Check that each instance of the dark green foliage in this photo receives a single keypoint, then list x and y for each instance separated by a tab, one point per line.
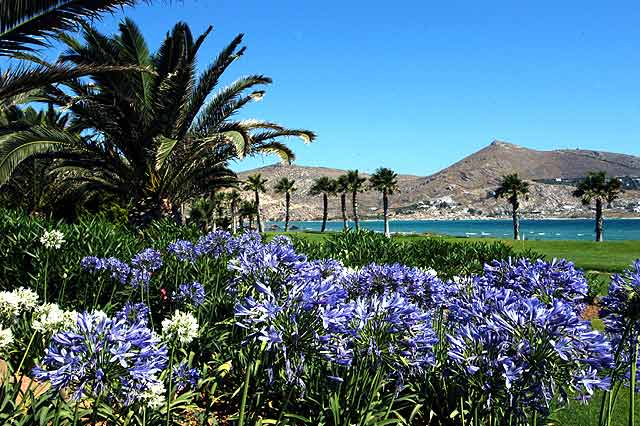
449	259
22	254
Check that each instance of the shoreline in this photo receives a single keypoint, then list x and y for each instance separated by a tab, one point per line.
488	219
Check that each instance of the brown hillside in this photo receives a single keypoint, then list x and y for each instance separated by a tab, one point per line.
464	189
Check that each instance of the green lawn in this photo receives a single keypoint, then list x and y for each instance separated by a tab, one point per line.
577	414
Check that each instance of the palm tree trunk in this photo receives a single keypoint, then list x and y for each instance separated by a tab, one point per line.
354	201
516	221
258	219
385	208
234	223
214	218
343	206
325	211
599	221
144	211
287	200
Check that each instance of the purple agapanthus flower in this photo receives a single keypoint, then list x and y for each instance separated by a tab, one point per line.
134	313
185	377
621	315
521	353
184	250
104	358
190	293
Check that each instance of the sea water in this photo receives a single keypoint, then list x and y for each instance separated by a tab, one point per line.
546	229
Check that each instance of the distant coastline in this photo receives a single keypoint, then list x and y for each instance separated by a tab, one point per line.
555	228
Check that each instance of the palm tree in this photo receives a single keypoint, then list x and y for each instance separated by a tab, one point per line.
257	184
342	186
234	199
202	213
513	188
286	186
27	188
355	184
154	139
596	186
248	210
385	181
218	200
325	186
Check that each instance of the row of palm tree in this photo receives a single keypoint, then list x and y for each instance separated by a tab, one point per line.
384	180
352	183
596	186
142	127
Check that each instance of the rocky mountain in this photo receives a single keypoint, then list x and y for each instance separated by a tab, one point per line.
465	189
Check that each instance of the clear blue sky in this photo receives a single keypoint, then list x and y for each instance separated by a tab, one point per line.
416	85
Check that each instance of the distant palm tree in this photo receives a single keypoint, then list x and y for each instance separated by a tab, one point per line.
597	187
256	183
218	200
513	189
325	186
201	213
286	186
234	199
385	181
342	186
355	184
248	210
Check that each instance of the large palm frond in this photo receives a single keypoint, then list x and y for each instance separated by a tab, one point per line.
28	23
16	147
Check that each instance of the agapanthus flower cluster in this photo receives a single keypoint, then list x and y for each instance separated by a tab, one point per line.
620	311
191	294
184	250
301	310
185	377
182	326
558	279
264	264
105	358
414	284
6	338
134	313
119	270
14	303
52	239
516	353
138	273
384	329
49	318
214	244
143	265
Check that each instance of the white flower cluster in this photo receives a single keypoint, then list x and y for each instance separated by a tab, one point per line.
52	239
153	397
13	303
182	326
6	338
49	318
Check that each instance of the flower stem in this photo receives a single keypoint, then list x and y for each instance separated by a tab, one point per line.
46	267
632	383
173	349
245	391
26	352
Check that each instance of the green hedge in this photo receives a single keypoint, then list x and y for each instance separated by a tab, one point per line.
449	259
